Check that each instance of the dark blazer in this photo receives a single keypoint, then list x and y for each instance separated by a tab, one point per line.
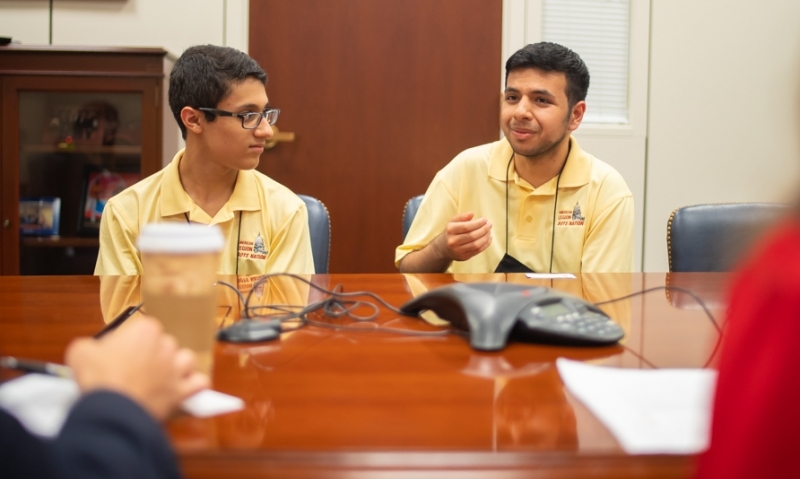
106	435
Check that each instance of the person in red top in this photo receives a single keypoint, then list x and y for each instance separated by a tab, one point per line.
756	420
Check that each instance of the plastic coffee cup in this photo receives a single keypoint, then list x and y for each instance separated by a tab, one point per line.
180	263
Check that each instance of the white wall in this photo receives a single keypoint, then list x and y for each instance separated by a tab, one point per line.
723	101
171	24
26	21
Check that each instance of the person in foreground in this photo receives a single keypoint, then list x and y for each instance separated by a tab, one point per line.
756	418
129	379
533	201
218	97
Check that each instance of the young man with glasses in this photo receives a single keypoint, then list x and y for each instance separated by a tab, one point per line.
219	99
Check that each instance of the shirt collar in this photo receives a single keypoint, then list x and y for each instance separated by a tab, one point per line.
498	162
578	170
245	196
175	201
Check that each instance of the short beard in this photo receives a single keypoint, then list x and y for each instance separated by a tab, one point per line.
542	151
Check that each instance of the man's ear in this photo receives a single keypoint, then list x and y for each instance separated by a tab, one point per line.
576	115
193	119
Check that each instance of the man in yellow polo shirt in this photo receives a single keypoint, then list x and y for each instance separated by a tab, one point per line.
533	201
218	97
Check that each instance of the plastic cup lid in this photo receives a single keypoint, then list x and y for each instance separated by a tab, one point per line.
180	238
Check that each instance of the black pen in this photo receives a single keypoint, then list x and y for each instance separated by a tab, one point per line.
118	320
33	366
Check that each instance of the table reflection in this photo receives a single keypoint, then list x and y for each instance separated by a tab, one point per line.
711	289
372	388
119	292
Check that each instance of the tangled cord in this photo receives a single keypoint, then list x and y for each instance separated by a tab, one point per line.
337	305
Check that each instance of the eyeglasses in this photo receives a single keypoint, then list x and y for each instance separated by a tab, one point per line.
251	120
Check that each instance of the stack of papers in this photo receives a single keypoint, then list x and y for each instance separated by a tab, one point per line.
665	411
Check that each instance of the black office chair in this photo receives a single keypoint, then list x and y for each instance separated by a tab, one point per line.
409	212
713	237
319	225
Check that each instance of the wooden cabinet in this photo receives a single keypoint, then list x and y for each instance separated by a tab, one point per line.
77	125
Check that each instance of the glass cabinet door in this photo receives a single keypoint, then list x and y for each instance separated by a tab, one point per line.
77	125
76	150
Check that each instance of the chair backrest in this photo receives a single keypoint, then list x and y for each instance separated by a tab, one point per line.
319	226
713	237
409	212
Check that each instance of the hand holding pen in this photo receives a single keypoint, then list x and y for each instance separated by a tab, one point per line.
121	318
139	361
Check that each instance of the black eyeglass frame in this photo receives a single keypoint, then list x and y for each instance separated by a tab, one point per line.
244	116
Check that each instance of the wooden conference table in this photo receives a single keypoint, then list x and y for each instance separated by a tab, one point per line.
322	402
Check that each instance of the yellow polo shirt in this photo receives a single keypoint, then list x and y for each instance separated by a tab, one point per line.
594	224
265	225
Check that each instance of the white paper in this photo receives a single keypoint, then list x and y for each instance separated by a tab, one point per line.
550	275
665	411
211	403
41	403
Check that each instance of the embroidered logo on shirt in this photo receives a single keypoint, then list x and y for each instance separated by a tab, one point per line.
258	245
571	218
253	249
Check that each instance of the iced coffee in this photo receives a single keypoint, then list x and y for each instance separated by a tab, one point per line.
180	262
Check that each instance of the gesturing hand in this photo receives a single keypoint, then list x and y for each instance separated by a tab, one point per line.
465	237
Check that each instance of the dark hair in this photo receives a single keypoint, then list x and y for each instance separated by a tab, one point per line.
203	76
549	57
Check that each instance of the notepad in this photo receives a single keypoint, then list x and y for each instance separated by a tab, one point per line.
41	403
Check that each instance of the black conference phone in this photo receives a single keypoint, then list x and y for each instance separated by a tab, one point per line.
491	312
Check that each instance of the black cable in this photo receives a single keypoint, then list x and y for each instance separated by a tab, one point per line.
338	304
682	290
238	238
555	215
640	357
234	288
508	167
665	288
336	292
555	207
